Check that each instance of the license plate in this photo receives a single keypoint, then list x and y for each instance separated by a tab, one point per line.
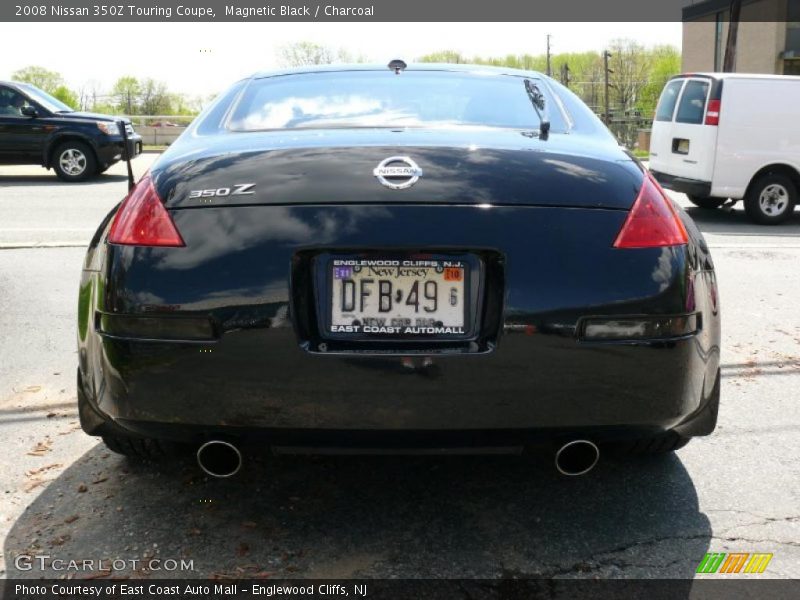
398	297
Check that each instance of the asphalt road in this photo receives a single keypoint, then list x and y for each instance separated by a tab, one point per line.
64	495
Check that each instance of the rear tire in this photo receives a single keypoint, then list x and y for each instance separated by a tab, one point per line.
707	202
143	448
771	199
117	439
74	161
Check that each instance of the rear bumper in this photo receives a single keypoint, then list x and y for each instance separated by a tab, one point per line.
690	187
261	385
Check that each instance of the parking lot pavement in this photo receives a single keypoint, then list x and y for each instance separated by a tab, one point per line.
66	496
731	229
38	209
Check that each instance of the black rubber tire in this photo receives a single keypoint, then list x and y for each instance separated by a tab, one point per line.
752	205
143	448
660	444
707	202
90	162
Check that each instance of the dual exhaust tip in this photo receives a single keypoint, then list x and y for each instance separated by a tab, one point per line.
577	457
219	458
222	459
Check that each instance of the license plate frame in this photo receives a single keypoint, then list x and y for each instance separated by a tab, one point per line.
473	271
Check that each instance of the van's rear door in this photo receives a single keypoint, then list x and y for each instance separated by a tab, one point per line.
682	145
661	135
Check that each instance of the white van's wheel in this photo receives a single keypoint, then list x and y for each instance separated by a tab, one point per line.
771	199
707	201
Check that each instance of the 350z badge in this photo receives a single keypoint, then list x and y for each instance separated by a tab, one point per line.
238	189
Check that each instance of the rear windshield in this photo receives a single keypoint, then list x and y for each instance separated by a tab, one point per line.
382	99
666	104
693	102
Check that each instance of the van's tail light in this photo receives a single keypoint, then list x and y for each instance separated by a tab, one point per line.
652	221
712	113
142	219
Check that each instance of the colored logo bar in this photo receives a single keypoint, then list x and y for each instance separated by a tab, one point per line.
734	562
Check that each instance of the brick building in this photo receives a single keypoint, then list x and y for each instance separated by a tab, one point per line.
768	37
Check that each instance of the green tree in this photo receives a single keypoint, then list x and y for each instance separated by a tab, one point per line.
630	65
106	108
345	56
453	57
67	96
299	54
154	99
665	62
126	93
42	78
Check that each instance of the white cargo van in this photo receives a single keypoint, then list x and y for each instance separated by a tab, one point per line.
720	136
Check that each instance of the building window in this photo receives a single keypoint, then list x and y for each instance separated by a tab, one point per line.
793	26
791	54
719	54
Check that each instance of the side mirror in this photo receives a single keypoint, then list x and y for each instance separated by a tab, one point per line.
29	111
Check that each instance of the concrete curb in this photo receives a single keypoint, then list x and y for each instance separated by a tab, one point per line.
28	245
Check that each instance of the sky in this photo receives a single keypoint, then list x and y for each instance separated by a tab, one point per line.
204	58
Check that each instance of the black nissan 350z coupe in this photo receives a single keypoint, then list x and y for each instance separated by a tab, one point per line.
426	258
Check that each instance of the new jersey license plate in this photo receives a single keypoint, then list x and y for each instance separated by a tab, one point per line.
398	297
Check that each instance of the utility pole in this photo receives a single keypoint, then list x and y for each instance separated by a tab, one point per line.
549	72
565	74
729	63
606	71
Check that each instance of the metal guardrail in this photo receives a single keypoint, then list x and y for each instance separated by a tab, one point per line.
626	129
159	130
160	120
159	136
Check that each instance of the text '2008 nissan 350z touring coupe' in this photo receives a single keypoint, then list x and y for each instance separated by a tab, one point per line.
421	257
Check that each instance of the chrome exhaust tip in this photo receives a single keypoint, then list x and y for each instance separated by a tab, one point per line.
219	459
577	457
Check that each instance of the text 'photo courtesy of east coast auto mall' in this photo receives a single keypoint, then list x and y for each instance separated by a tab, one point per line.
400	300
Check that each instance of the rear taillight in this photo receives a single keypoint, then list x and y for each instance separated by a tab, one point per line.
652	221
712	114
142	219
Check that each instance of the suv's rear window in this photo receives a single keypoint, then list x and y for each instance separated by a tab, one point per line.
666	104
383	99
693	102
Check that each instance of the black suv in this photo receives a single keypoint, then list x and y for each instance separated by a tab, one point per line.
36	128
